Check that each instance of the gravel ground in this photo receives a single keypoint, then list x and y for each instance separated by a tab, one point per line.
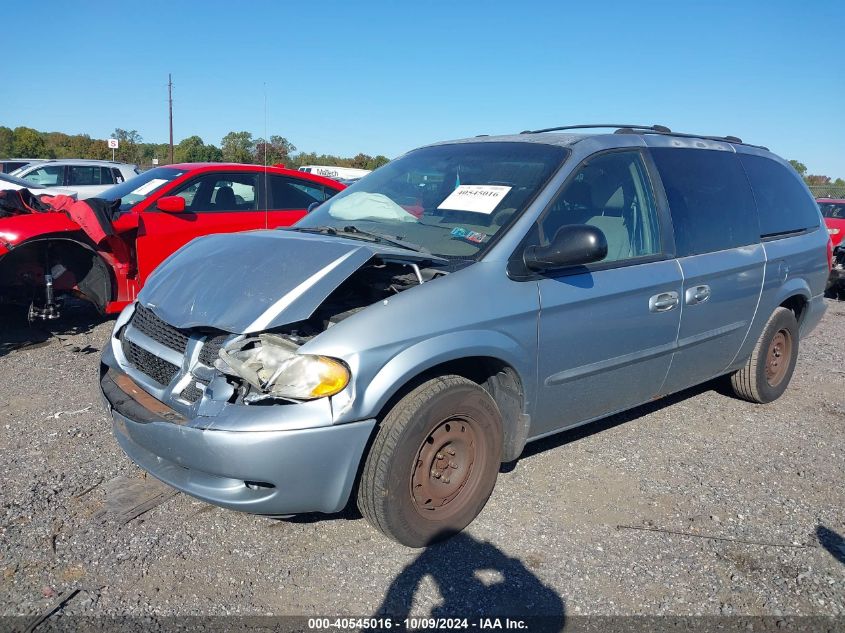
757	491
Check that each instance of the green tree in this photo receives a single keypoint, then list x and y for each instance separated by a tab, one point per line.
360	161
238	147
839	182
189	150
28	143
6	141
801	168
194	150
129	142
278	150
378	161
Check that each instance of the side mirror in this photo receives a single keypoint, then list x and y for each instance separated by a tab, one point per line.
171	204
573	245
313	206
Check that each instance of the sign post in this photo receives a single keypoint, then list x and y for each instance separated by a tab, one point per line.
113	144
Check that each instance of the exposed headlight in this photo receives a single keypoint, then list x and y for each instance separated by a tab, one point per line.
833	231
271	364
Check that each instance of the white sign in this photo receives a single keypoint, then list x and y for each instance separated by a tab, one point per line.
147	187
475	198
113	144
155	161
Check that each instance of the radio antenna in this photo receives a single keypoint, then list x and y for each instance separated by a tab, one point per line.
266	140
170	110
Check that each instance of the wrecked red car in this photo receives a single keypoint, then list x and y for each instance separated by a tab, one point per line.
104	249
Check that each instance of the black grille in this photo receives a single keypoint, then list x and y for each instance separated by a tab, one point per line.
192	393
144	320
156	368
211	348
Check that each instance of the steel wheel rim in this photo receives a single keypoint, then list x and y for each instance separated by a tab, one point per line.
778	357
446	468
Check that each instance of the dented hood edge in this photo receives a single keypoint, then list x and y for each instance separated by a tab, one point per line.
250	282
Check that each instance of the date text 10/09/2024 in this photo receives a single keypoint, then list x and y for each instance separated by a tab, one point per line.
376	623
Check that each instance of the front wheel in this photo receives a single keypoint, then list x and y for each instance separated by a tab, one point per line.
767	373
433	463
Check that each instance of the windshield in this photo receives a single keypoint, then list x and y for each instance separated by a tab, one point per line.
449	200
138	188
19	181
835	210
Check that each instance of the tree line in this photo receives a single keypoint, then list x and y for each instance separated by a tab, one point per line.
235	147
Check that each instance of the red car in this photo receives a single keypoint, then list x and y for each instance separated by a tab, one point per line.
43	255
833	211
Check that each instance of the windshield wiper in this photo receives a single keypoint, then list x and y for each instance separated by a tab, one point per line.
395	240
323	230
353	231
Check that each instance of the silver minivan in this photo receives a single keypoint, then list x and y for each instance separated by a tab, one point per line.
414	332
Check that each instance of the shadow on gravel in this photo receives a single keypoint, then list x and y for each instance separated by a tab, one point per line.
832	542
16	333
476	579
719	385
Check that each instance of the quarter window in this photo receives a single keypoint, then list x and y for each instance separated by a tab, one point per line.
783	204
710	199
612	193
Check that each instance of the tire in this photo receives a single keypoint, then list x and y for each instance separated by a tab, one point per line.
433	463
769	370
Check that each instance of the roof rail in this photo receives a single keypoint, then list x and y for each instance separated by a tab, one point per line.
654	128
647	129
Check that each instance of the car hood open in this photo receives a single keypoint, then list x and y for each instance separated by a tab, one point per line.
254	281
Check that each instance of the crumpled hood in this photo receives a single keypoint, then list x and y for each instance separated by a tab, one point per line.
250	282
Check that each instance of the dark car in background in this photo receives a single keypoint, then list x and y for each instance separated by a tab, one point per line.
8	165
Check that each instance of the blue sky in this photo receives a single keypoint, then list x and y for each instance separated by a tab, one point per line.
384	77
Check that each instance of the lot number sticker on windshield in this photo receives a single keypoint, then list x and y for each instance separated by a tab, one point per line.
475	198
147	187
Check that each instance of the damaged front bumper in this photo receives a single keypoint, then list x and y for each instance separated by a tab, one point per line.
287	459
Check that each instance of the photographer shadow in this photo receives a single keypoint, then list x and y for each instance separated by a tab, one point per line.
476	580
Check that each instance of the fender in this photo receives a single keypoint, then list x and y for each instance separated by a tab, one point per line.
797	286
18	229
794	287
428	353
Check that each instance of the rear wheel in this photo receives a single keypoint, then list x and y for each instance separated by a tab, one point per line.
769	370
433	463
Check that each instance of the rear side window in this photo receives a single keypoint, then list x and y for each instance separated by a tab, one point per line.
710	199
290	194
782	202
80	175
833	211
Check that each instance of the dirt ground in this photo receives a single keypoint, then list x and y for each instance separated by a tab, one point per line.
699	504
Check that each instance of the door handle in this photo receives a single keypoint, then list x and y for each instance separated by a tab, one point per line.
663	302
698	294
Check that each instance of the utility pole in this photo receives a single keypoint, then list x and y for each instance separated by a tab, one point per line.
170	105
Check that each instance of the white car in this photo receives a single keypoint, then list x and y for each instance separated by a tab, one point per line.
88	178
12	182
338	173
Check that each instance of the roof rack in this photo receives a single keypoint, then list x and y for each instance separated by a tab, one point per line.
646	129
653	128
